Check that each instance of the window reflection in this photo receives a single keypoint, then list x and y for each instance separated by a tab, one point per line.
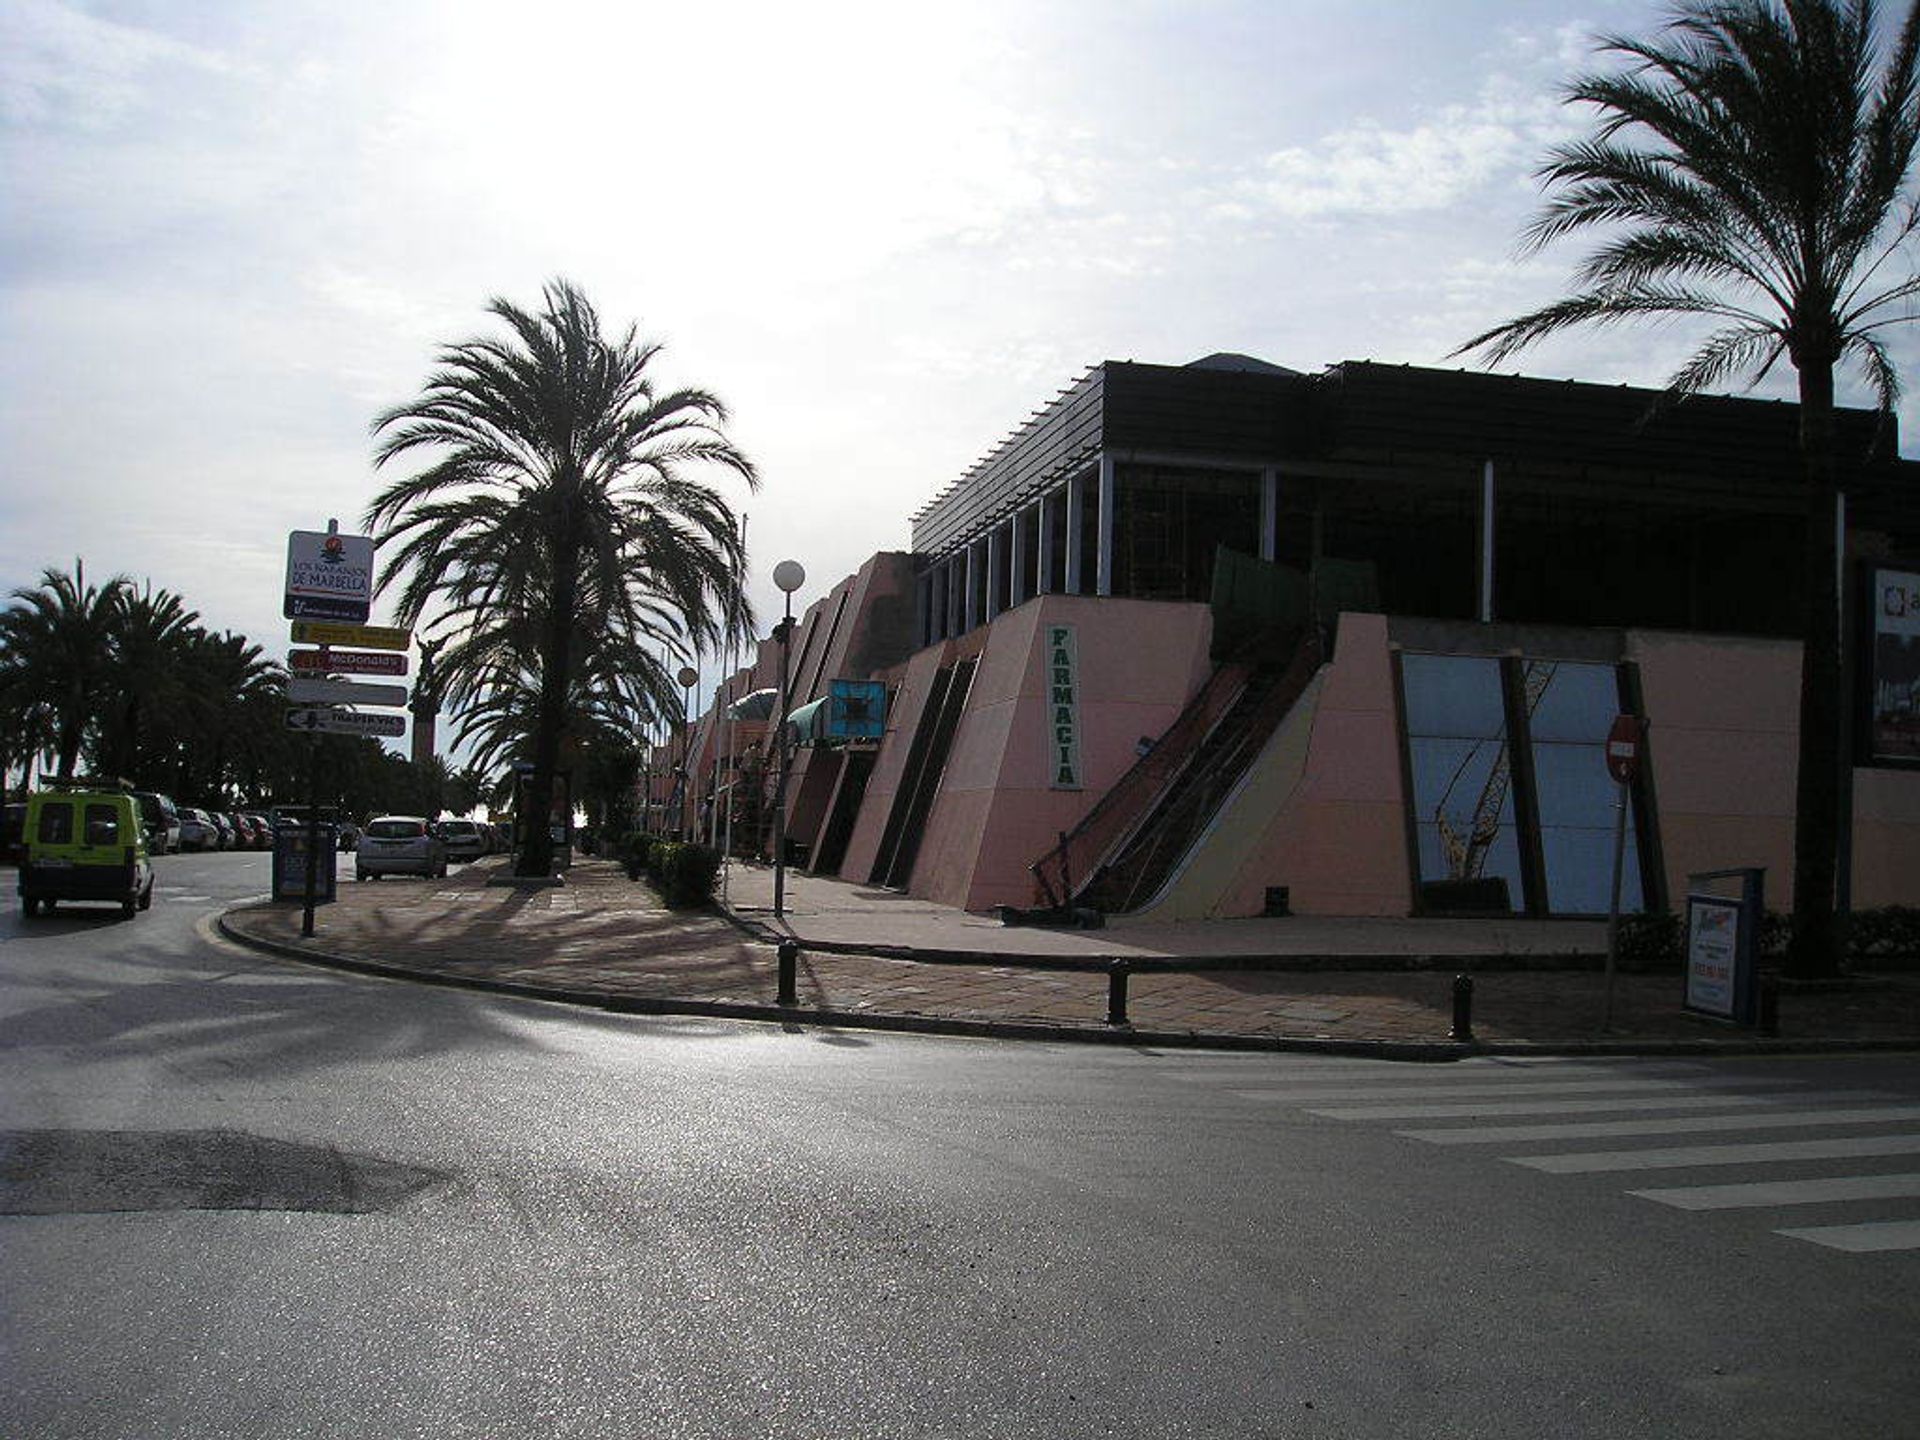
1475	819
1468	842
1575	797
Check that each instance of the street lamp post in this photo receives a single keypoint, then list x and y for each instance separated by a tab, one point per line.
789	576
688	678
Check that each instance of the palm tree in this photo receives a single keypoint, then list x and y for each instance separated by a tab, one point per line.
558	505
151	634
1752	167
59	635
236	696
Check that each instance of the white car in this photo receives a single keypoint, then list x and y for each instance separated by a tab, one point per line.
399	845
465	840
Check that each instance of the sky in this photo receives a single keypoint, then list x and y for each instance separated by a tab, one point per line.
231	234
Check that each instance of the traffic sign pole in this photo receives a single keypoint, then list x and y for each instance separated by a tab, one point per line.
1623	764
313	829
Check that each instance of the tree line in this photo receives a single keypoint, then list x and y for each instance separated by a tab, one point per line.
121	680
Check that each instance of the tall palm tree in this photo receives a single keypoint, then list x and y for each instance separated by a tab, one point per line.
1752	167
60	634
235	694
151	633
558	501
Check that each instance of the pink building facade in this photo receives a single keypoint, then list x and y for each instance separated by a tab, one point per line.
1224	640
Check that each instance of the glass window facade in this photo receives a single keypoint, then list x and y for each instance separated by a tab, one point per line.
1508	763
1461	763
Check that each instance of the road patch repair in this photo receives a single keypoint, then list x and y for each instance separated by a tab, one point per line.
73	1172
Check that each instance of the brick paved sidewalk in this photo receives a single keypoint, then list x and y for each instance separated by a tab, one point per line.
602	938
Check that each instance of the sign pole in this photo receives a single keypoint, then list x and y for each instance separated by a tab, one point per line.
1622	754
313	829
1613	907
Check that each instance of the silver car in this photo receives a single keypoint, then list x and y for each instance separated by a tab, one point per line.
465	839
399	845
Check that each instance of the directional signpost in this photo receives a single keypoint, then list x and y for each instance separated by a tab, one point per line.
328	661
329	575
321	721
374	637
303	690
329	595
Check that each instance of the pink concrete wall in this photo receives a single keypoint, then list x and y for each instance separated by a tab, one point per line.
1339	842
1723	724
1139	663
911	683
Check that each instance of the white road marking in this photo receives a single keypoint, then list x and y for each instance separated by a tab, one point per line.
1598	1161
1785	1192
1322	1093
1595	1129
1468	1109
1862	1239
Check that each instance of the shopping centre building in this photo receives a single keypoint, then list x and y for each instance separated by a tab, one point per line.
1225	639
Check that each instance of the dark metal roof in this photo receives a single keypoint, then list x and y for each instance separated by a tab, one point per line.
1360	419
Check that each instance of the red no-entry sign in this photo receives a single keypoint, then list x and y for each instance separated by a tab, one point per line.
1623	749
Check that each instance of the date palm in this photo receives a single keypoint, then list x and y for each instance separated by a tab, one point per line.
58	638
560	501
151	633
1752	169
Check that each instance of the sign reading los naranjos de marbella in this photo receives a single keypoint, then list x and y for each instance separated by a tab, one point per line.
329	576
1063	707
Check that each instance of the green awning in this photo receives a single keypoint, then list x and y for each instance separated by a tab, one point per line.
809	722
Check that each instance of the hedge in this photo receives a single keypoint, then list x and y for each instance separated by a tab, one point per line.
685	874
1890	932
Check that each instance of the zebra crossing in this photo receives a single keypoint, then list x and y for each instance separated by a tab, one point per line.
1637	1118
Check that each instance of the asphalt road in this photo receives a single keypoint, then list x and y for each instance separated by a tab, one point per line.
243	1198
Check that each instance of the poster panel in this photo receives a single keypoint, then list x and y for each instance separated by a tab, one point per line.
1893	666
1713	953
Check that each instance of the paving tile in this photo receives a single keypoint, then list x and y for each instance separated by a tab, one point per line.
605	935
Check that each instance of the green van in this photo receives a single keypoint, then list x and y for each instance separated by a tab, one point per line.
85	841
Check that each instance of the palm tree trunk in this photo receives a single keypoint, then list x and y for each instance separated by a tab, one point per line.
1814	949
556	661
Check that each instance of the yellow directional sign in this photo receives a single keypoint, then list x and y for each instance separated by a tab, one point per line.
373	637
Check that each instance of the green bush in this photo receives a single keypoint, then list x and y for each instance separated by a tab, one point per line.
1891	932
1653	942
635	849
685	874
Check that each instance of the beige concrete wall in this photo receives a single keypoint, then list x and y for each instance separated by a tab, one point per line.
996	811
1723	727
1322	811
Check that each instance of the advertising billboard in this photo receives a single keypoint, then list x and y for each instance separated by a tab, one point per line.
1892	665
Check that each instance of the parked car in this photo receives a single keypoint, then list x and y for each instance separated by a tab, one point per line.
349	836
465	840
224	825
246	835
197	830
85	842
162	820
399	845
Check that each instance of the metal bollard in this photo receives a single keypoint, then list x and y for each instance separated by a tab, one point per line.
1462	1008
789	953
1117	993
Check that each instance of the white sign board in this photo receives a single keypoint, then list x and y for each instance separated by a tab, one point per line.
1894	667
309	690
329	576
1713	940
345	722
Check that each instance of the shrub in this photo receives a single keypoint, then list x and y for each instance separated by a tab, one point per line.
1891	932
685	874
634	851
